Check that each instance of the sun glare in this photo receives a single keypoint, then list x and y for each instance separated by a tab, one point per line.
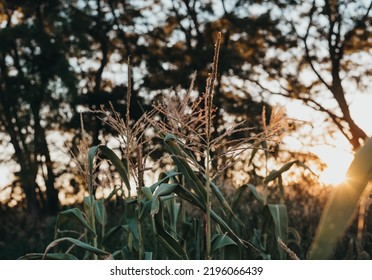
337	161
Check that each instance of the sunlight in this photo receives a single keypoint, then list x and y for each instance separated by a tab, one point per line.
337	161
332	176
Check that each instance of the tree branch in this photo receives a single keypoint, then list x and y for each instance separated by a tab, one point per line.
312	104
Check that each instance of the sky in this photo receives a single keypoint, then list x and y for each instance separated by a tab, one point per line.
335	152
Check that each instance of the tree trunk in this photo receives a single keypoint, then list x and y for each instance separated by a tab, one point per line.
33	206
357	135
41	149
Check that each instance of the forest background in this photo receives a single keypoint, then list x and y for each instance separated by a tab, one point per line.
60	61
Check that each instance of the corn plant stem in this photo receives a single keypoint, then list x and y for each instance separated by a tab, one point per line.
265	236
183	212
265	185
139	226
209	205
92	220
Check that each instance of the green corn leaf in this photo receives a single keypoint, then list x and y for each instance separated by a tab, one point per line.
239	194
193	199
145	210
51	256
73	215
86	203
164	177
197	238
111	234
133	228
230	248
173	209
169	242
178	156
148	256
162	190
100	253
119	165
277	213
221	240
222	200
100	212
147	192
276	173
339	210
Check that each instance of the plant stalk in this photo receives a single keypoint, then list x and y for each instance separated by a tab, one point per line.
209	206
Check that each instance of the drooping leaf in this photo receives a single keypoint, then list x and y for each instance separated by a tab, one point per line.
340	208
164	177
276	173
73	215
119	165
178	156
223	201
162	190
169	242
100	253
239	194
221	240
50	256
193	199
230	248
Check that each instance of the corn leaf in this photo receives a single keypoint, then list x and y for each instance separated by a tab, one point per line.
276	173
100	253
277	213
164	177
221	240
193	199
230	248
51	256
239	195
162	190
178	156
73	215
169	242
339	210
100	212
119	165
222	200
148	256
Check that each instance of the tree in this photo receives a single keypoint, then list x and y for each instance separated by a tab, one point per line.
322	69
48	54
35	78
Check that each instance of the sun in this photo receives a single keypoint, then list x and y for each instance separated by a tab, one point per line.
338	162
332	176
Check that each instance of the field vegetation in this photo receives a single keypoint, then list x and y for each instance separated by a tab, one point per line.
151	130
